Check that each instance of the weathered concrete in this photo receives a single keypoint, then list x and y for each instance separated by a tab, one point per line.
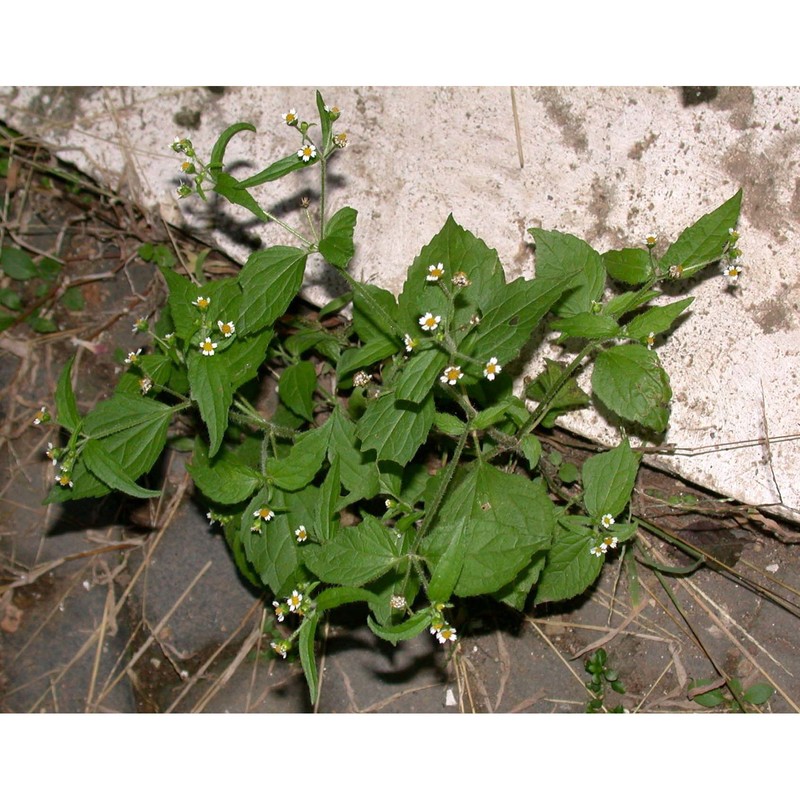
608	164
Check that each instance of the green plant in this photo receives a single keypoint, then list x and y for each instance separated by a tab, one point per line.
602	676
737	698
406	418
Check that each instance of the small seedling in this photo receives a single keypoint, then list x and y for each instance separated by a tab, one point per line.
603	676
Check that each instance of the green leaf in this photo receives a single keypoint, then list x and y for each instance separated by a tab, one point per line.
513	314
270	279
492	415
326	525
102	464
342	595
337	246
358	357
17	264
656	320
705	241
273	172
324	122
223	479
296	387
532	449
395	429
10	299
374	312
41	324
628	301
304	460
630	265
67	408
229	188
568	472
608	480
182	292
245	356
308	631
571	568
123	412
420	374
629	380
358	472
73	298
210	384
459	251
758	693
587	325
356	555
449	424
568	397
273	551
491	524
407	629
218	151
515	594
559	255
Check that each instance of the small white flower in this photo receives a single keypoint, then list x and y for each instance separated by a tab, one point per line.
145	385
446	634
290	117
492	369
301	534
675	271
264	513
227	329
429	321
610	541
409	343
41	416
607	520
202	303
133	357
294	601
307	152
435	271
64	479
361	378
733	233
732	271
340	140
651	340
210	518
460	279
597	551
281	648
650	239
280	610
397	601
139	326
208	347
452	375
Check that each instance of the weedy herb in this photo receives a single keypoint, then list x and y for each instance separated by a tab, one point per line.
732	696
407	419
602	676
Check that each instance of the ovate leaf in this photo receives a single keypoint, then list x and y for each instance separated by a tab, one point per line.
337	245
608	480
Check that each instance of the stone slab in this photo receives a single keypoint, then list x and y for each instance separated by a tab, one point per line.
611	165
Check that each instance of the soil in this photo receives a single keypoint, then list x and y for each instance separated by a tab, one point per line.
130	606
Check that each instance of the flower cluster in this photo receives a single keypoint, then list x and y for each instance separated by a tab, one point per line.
608	542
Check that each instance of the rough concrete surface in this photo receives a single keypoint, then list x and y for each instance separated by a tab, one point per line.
610	165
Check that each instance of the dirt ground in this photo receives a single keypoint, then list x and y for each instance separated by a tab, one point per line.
132	606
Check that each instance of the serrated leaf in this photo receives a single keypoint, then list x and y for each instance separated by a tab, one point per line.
608	480
570	568
326	524
420	374
211	389
358	357
513	314
587	325
342	595
705	241
245	356
515	594
104	467
457	250
628	301
374	311
568	397
270	279
123	412
218	151
297	385
629	380
304	461
278	169
408	629
223	479
395	429
337	246
656	320
181	294
630	265
357	555
561	254
308	631
66	406
358	472
273	550
486	532
234	192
